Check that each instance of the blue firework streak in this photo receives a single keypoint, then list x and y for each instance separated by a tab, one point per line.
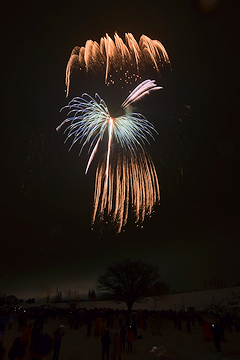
89	119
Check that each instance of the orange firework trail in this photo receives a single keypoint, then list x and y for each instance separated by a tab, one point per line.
132	186
116	54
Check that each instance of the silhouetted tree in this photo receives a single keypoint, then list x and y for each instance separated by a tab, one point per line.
11	299
92	295
2	298
128	281
30	301
58	297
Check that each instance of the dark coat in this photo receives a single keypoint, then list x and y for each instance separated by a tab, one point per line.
106	341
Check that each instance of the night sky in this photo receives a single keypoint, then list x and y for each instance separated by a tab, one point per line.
46	202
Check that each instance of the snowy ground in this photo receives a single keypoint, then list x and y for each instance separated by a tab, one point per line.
172	344
226	299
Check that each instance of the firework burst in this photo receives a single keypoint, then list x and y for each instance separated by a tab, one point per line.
116	55
126	180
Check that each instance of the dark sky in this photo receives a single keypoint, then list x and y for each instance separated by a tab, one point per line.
46	201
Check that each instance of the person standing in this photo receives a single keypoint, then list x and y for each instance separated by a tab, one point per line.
26	337
123	334
106	341
2	350
12	317
3	321
20	320
41	320
216	336
89	320
117	346
134	327
130	338
17	351
58	334
188	324
98	326
89	328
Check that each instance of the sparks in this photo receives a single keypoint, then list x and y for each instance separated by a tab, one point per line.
115	54
88	120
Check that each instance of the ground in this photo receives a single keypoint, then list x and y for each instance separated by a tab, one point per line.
172	344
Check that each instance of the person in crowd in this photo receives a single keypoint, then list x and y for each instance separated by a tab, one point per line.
175	319
89	320
153	327
123	334
35	332
58	334
130	338
216	336
4	318
98	326
106	341
109	319
179	322
17	351
71	319
134	327
21	317
89	328
158	323
207	329
12	317
26	336
188	324
2	350
117	347
41	320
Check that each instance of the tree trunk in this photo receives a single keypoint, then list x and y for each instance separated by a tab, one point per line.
129	305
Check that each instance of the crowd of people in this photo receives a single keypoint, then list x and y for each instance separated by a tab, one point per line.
32	340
